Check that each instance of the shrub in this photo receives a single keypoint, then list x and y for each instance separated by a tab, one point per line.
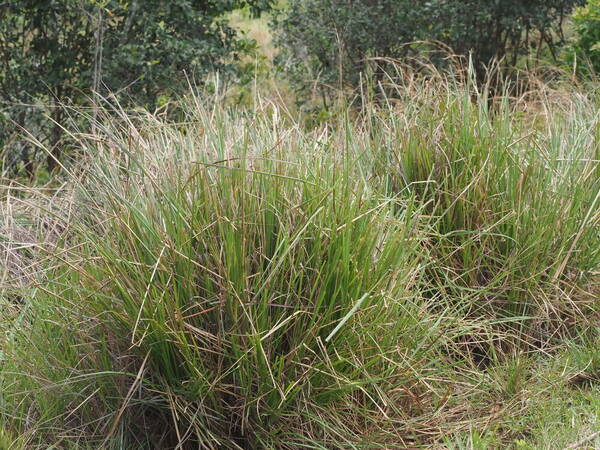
56	52
328	40
586	48
320	38
499	29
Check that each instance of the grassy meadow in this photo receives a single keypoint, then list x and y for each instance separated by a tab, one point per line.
418	272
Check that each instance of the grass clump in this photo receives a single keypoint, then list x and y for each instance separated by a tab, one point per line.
514	197
230	290
405	276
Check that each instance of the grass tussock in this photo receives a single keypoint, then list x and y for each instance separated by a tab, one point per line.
387	280
515	201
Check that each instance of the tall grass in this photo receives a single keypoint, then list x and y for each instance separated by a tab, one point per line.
239	281
256	289
514	197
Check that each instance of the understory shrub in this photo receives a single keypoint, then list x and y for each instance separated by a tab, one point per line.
585	50
330	44
60	52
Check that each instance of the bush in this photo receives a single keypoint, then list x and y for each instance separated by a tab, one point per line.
586	22
327	39
57	52
320	38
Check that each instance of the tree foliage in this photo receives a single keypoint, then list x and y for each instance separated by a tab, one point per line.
323	38
53	51
586	47
328	35
496	29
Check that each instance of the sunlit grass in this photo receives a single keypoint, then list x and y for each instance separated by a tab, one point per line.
392	278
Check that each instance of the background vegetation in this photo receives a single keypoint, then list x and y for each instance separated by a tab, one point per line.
68	51
332	42
586	22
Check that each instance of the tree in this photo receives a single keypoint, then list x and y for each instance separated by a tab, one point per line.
320	40
56	51
326	38
499	29
45	50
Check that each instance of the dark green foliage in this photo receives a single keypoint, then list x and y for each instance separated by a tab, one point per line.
45	54
586	47
57	51
152	43
325	38
498	29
